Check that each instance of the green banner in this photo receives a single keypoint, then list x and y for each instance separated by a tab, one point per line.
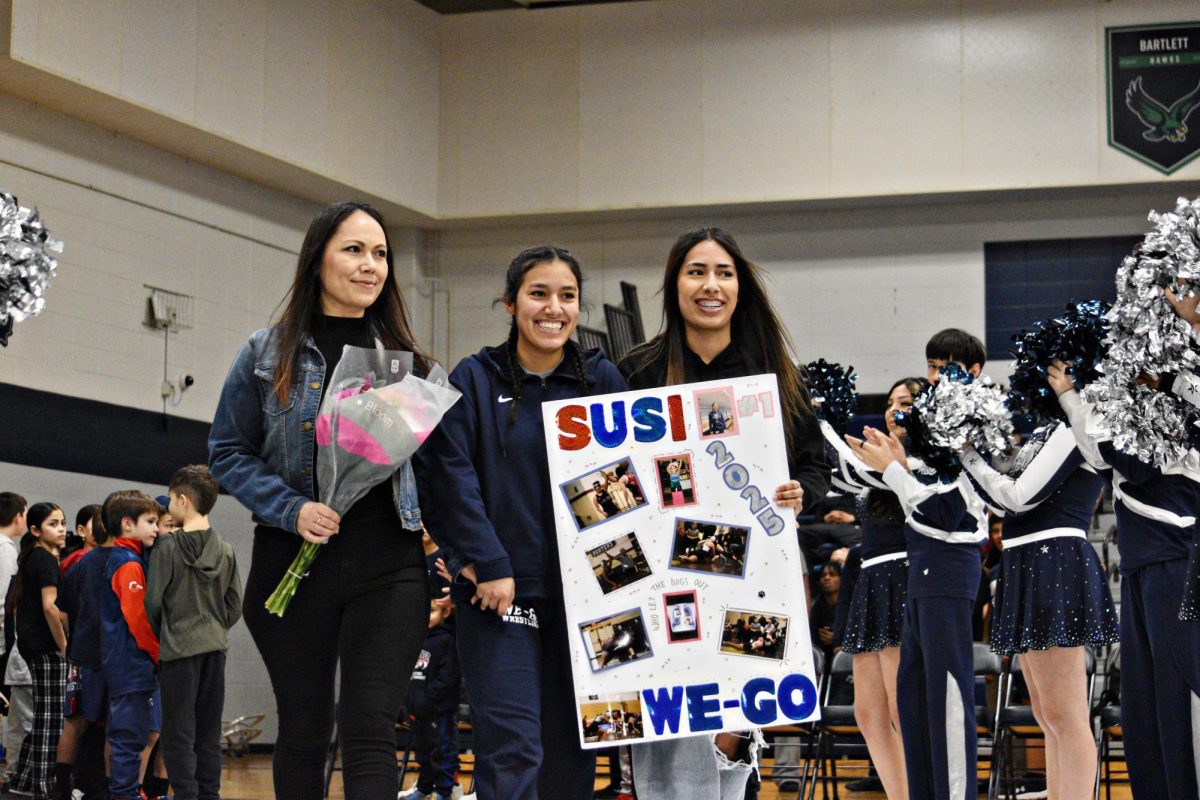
1159	60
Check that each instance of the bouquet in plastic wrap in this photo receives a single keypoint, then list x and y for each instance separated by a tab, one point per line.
375	414
1147	340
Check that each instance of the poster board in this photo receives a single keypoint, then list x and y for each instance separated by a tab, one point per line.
682	580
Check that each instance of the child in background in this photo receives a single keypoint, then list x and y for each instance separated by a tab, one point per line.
128	644
433	702
194	598
83	534
167	524
83	586
42	640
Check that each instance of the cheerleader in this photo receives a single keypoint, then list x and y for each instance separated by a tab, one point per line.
1052	598
945	522
875	617
1160	654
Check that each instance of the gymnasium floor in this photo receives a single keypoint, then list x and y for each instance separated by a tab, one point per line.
249	778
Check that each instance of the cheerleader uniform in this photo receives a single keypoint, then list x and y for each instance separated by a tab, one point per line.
875	616
1052	590
1160	655
1187	387
945	523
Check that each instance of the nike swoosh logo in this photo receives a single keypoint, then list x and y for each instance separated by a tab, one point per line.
503	399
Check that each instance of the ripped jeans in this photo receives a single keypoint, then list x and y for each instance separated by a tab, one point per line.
691	769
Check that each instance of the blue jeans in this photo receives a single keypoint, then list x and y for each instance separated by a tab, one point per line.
687	769
130	718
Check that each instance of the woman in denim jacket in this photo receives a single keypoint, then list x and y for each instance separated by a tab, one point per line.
364	604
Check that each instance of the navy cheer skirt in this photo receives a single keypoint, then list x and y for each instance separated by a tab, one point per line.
1052	593
877	608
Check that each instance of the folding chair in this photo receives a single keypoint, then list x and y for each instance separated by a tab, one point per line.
805	732
1112	734
837	722
1016	723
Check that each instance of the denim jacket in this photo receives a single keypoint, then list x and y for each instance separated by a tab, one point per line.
261	450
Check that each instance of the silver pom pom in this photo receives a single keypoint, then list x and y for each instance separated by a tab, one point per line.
1147	339
956	413
26	262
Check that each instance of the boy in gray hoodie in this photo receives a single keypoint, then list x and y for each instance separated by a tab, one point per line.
193	598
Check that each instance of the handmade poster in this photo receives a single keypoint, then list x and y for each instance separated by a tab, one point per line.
682	580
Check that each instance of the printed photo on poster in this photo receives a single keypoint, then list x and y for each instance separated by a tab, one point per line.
617	639
712	547
676	486
683	616
755	633
618	563
604	493
611	718
718	416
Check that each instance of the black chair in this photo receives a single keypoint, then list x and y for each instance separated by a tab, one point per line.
1016	724
1112	734
806	732
838	726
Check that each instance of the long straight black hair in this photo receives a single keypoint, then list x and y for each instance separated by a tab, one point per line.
387	316
755	329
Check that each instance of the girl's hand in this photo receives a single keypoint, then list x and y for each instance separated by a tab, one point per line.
495	595
1057	377
1184	307
790	495
875	451
316	522
467	572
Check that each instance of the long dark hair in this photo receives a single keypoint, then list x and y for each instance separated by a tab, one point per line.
513	278
755	329
387	316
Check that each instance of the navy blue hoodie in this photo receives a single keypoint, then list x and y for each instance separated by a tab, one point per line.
484	482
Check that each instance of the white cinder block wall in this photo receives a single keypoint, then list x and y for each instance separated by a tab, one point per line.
862	286
130	215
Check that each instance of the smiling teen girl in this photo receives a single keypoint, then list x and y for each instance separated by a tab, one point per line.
719	324
364	604
485	485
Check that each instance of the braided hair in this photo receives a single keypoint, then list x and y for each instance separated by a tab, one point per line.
513	279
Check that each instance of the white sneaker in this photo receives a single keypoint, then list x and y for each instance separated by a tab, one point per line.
412	794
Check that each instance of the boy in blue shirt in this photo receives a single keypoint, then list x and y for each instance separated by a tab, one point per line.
128	645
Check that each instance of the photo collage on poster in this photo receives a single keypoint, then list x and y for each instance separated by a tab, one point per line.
666	535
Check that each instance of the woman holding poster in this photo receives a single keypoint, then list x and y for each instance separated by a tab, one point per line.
484	480
720	324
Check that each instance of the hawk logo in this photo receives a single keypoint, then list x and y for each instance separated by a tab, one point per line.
134	586
1153	78
1161	122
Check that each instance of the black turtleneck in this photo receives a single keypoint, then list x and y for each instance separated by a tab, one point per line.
330	334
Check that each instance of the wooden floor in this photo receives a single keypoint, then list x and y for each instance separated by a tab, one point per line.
249	778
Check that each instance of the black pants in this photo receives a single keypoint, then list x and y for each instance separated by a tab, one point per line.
193	696
364	607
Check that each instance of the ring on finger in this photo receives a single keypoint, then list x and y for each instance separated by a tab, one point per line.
320	519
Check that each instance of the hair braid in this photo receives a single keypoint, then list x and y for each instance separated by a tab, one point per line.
575	352
514	373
